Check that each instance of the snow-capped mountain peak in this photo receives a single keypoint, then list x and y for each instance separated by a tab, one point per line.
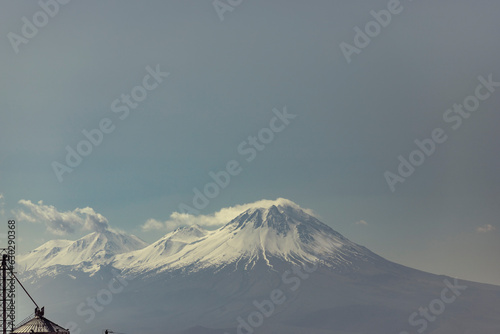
281	231
187	233
96	247
159	253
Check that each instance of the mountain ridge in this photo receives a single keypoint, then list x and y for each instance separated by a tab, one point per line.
210	281
277	229
96	247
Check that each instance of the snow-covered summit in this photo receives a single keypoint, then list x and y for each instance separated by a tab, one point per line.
282	230
158	253
186	233
97	247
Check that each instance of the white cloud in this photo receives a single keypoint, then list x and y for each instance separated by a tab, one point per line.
361	222
486	228
61	223
153	224
93	221
215	219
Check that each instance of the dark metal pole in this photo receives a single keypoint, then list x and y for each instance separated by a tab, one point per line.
22	286
4	292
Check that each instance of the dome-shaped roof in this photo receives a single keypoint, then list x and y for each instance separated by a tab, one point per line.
39	324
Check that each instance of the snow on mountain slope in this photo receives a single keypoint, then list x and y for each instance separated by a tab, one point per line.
268	230
282	231
97	247
186	234
210	281
156	254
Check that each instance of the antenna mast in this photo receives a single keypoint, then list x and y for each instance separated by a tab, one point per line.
4	293
8	307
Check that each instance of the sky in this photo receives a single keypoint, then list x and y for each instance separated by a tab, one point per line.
123	114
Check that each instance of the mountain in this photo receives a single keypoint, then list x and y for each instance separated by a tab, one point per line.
283	232
271	269
90	251
157	255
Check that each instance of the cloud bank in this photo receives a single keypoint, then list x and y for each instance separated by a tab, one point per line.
215	219
486	228
361	222
61	223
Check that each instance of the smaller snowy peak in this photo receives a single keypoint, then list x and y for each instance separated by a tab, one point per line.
106	244
187	233
157	254
97	247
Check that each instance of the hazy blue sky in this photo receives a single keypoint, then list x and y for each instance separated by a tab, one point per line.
225	77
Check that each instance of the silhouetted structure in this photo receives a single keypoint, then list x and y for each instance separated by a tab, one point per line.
39	324
34	324
7	282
